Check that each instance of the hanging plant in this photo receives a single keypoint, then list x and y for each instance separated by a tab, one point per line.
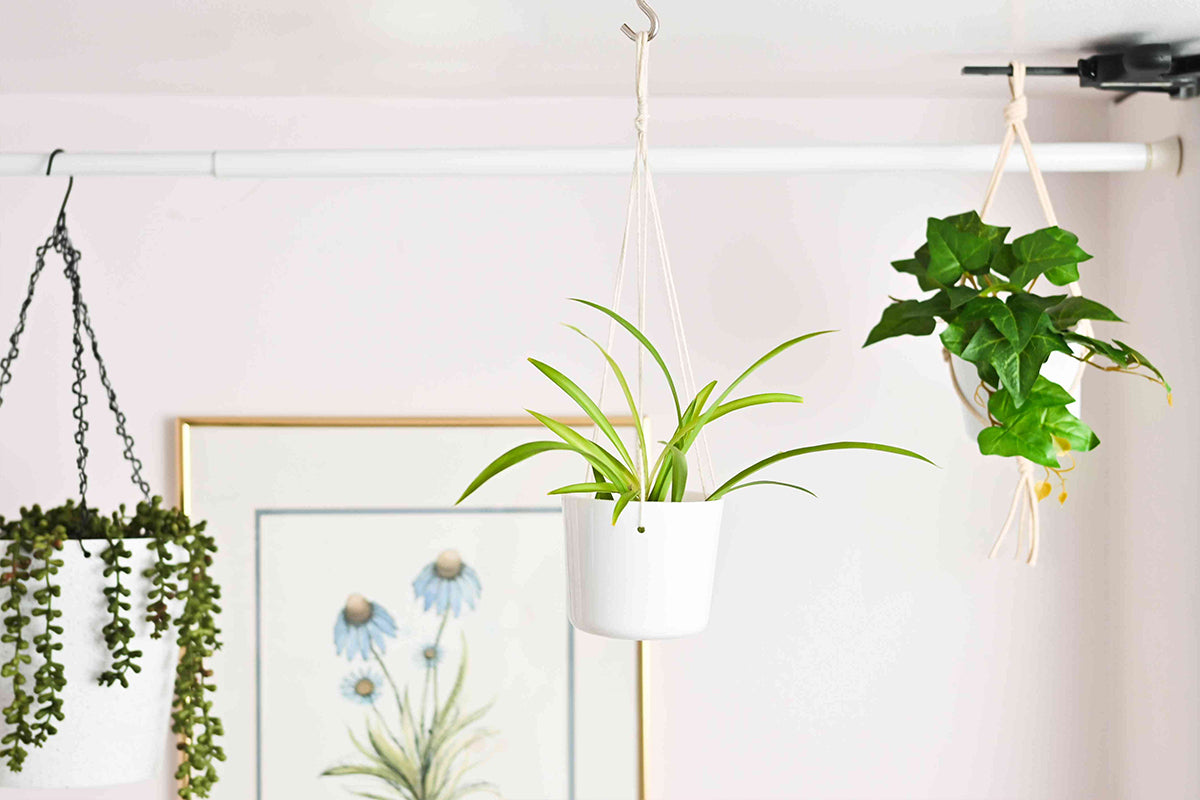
668	592
650	577
150	574
1016	339
983	292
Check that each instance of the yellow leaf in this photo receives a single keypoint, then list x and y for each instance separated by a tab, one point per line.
1062	498
1062	444
1170	399
1043	490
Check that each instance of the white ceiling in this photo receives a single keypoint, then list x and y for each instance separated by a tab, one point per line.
560	47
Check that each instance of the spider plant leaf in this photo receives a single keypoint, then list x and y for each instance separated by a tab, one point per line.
774	352
369	795
600	479
624	384
768	483
596	455
512	457
587	404
690	430
679	473
637	334
662	481
754	400
585	488
728	486
622	501
662	467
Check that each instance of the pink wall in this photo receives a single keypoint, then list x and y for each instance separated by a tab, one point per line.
1155	547
861	645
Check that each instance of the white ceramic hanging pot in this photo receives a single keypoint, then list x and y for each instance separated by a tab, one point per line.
110	735
1059	368
626	584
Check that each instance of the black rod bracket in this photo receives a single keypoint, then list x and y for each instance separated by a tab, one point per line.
1143	68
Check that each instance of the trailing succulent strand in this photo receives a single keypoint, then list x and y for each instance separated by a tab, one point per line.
48	679
969	267
192	717
16	565
179	581
118	633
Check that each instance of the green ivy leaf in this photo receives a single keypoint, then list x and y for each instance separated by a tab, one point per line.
1067	313
1029	312
1025	436
1029	430
1016	367
912	317
958	334
994	311
1052	252
1003	261
960	295
912	266
1062	423
958	244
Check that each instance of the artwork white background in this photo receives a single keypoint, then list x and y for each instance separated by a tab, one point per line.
238	471
516	641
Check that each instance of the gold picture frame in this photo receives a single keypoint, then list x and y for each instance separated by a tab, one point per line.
185	425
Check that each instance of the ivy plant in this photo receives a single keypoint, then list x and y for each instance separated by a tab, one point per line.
982	291
182	594
624	474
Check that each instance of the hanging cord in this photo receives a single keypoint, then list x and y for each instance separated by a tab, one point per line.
642	217
1025	496
60	242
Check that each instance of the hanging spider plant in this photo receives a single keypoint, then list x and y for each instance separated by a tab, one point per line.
624	475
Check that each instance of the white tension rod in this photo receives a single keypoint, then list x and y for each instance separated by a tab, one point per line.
1165	155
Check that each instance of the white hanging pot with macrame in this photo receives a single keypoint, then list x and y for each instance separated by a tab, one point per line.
1065	371
647	574
641	550
1016	357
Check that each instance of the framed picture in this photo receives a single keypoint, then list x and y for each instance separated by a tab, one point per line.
381	641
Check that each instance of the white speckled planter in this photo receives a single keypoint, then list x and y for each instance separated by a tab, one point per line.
110	735
629	585
1060	368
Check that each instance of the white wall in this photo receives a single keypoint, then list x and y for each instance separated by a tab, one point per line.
861	645
1155	232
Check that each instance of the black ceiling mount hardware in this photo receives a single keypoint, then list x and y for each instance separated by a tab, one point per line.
1142	68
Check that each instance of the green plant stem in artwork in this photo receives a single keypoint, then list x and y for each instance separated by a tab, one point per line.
630	474
982	292
388	675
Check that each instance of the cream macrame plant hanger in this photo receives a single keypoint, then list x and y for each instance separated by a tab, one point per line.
642	218
1025	497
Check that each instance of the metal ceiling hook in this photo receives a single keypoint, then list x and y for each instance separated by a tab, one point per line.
649	12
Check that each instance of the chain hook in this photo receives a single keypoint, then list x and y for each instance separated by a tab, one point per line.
62	210
649	12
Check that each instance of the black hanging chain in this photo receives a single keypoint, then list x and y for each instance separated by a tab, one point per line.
60	242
